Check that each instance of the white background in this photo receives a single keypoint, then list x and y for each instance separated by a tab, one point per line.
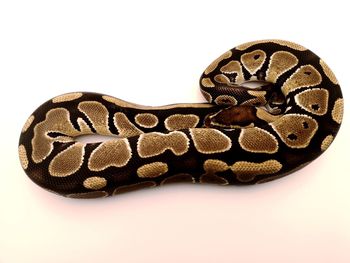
153	53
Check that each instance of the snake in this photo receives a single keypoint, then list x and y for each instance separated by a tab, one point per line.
273	106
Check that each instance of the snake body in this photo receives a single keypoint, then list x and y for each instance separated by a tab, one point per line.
242	136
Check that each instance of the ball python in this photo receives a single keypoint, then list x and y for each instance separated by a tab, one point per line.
242	135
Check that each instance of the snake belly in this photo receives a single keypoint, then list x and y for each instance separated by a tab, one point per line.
241	136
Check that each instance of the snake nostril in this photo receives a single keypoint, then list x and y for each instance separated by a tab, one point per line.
307	73
256	57
292	137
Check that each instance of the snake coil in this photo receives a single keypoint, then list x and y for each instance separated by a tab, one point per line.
242	136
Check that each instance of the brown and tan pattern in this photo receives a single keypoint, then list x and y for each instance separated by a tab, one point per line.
247	171
246	136
146	120
326	142
254	60
125	127
225	100
329	73
67	97
258	140
207	96
313	100
211	168
57	120
84	127
181	121
233	67
23	156
203	138
280	62
206	82
216	62
68	161
115	153
95	183
295	130
337	111
152	170
155	143
98	114
221	78
305	76
27	124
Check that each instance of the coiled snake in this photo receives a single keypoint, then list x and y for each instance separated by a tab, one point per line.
243	136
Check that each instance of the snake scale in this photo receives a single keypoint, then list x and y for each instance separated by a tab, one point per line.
243	135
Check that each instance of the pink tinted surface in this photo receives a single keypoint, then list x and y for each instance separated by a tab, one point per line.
152	53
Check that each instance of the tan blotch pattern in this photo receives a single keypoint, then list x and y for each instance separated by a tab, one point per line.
211	167
329	73
257	140
295	130
67	97
247	171
280	62
207	96
206	82
181	121
305	76
152	170
57	120
125	127
23	158
326	142
234	67
313	100
84	127
68	161
216	62
337	111
95	183
214	166
133	187
146	120
115	153
257	93
225	100
97	113
203	139
254	60
221	78
156	143
276	41
118	102
28	123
